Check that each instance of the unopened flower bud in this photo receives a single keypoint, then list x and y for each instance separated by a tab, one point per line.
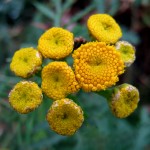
65	117
127	52
124	100
25	97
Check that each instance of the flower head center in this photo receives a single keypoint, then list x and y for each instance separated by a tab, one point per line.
24	95
56	78
56	42
106	26
96	62
126	49
25	59
65	116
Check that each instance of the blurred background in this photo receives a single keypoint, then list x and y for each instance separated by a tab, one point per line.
21	24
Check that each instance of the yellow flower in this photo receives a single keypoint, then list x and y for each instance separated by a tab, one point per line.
58	80
65	117
25	97
124	100
56	43
104	28
26	62
127	52
97	66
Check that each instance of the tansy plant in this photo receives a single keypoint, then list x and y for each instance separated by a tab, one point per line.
96	68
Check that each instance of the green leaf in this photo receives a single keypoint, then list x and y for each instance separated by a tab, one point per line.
29	127
130	36
141	139
82	13
81	31
146	19
145	2
45	10
47	142
100	6
137	2
115	4
67	5
58	12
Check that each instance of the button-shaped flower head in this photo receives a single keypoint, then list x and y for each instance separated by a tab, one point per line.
58	80
104	28
124	100
127	52
97	66
25	97
56	43
65	117
26	62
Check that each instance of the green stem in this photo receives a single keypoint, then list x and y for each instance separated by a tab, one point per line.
58	6
106	93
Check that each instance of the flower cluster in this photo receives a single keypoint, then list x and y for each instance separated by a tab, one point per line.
96	67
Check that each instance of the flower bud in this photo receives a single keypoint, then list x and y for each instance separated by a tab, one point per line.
25	97
56	43
26	62
58	80
127	52
124	100
65	117
104	28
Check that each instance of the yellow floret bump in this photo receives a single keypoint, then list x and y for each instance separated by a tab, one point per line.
124	100
97	66
56	43
58	80
26	62
65	117
25	97
104	28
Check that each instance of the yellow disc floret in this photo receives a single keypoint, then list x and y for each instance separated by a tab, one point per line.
26	62
124	100
56	43
97	66
58	80
65	117
127	52
104	28
25	97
